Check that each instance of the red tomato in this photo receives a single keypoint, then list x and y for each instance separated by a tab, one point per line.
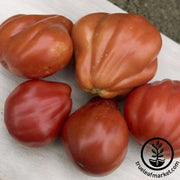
153	110
114	52
96	136
35	110
35	46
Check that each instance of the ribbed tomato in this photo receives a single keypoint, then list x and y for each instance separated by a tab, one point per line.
153	110
35	46
114	52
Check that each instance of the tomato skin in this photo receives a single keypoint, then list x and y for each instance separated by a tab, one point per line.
35	46
114	52
35	110
96	137
153	110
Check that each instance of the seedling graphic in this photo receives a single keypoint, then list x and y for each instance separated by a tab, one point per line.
157	151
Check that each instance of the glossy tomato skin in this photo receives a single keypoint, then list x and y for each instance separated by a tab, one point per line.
35	46
114	52
153	110
35	110
96	137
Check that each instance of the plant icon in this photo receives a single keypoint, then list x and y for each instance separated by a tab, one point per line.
157	151
158	148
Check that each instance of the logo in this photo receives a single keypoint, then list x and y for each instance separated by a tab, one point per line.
157	154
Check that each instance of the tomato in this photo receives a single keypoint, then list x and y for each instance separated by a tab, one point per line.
114	52
35	110
35	46
96	137
153	110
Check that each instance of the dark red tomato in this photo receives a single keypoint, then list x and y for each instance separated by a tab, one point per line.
35	110
153	110
96	137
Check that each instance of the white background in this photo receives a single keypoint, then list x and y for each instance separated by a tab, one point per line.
18	162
